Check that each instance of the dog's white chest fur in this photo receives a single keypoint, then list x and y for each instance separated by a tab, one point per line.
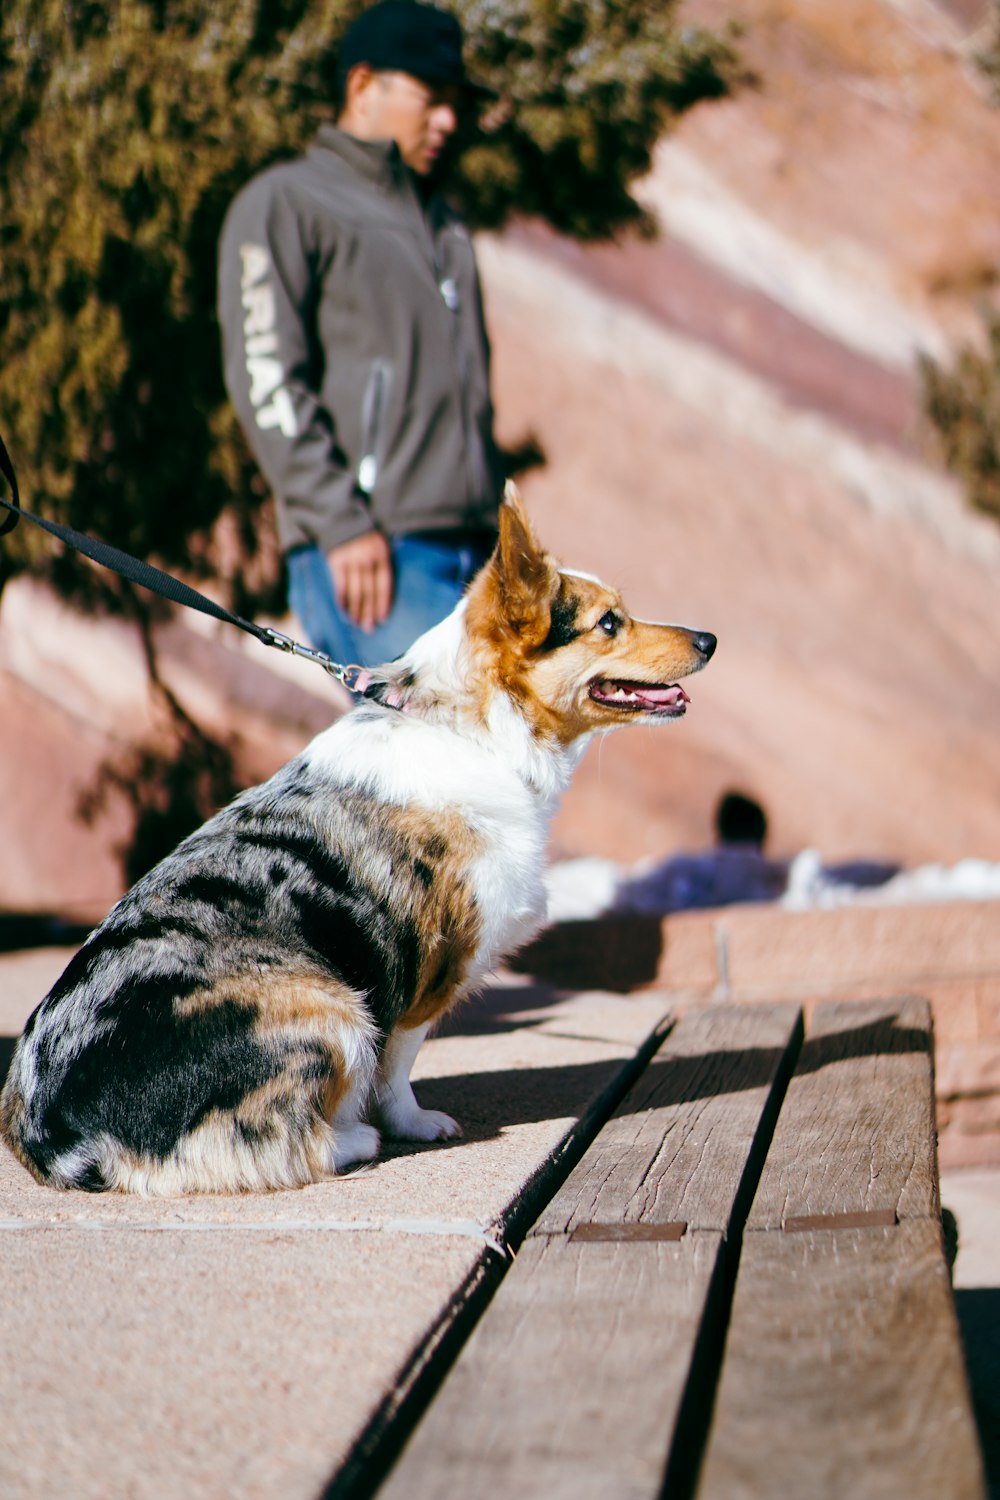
503	798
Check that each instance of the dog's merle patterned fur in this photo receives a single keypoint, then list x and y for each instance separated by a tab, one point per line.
257	890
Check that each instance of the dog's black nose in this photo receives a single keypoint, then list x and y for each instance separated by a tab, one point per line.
705	643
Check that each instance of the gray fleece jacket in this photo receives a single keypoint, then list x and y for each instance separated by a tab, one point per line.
355	349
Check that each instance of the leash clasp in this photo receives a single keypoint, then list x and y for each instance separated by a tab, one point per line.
354	678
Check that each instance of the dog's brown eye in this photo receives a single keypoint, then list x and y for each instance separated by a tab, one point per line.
609	623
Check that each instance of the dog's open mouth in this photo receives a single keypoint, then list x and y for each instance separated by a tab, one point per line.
640	697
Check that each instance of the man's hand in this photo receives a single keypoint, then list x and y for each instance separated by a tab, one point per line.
362	578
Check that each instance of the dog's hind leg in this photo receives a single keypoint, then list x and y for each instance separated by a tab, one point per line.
398	1109
305	1121
352	1141
347	1138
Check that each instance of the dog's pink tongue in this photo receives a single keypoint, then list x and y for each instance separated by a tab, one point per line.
661	697
650	695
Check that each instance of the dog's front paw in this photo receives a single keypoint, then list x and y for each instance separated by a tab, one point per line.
352	1145
421	1125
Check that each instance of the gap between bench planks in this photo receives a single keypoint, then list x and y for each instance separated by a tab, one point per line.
603	1340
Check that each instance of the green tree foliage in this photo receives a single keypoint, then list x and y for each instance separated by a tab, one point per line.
963	402
126	127
591	84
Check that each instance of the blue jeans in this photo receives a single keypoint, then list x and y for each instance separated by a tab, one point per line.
430	578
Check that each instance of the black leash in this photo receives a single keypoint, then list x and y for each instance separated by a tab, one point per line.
146	576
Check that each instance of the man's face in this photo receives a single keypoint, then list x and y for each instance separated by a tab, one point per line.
420	117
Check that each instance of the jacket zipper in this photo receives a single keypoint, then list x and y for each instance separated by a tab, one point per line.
476	474
448	289
371	417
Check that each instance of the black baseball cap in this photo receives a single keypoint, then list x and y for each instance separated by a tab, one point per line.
406	36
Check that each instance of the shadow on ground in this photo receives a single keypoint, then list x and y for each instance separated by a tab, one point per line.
603	953
487	1103
978	1311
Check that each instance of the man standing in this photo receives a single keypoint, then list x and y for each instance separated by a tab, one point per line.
355	350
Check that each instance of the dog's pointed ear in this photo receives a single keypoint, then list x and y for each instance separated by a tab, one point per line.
527	579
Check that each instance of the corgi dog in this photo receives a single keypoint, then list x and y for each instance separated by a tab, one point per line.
247	1016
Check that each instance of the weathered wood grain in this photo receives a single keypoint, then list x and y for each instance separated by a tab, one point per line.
679	1146
843	1373
857	1128
574	1380
571	1384
590	1374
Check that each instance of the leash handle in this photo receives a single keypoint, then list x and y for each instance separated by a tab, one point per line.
354	678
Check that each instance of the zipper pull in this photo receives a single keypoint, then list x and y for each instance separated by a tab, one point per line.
367	470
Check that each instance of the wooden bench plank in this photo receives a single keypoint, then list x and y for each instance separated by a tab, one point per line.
573	1380
678	1147
581	1369
857	1128
843	1372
